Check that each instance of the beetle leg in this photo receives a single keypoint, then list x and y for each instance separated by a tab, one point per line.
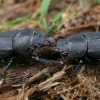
8	65
62	58
77	68
45	61
42	60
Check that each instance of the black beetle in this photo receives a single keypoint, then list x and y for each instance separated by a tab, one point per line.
20	42
84	46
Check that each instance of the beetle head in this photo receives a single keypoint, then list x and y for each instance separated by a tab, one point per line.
38	39
61	46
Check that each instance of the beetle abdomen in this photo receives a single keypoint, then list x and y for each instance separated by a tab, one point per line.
93	41
21	41
5	46
9	34
77	45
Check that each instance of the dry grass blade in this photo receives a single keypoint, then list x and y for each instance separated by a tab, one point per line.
1	81
24	93
50	82
38	74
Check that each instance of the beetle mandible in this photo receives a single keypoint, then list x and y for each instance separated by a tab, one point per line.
84	46
21	42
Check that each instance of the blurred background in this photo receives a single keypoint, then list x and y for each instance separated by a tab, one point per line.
68	15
